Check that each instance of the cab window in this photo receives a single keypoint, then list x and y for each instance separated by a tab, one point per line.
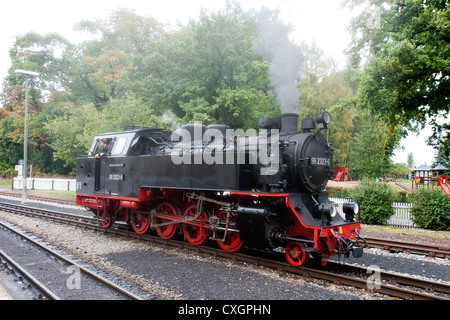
119	145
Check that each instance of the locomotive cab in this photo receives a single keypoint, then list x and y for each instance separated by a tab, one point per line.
106	168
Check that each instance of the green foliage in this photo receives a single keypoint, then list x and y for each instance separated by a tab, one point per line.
375	201
431	209
337	192
70	136
11	145
342	130
237	107
368	149
135	71
443	154
128	111
323	87
206	72
408	50
398	170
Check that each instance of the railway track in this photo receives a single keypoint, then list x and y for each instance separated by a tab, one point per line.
23	274
46	292
407	247
385	244
391	284
37	198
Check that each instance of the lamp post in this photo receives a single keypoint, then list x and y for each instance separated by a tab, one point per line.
27	74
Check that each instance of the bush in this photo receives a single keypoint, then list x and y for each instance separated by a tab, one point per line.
431	209
375	200
339	192
7	171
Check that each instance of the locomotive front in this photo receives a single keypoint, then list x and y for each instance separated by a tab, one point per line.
315	224
306	157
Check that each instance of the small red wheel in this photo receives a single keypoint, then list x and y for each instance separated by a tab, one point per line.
232	241
295	254
198	233
107	218
166	231
140	222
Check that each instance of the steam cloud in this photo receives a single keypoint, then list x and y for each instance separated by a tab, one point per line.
285	59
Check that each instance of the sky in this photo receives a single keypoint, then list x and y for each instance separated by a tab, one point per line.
324	22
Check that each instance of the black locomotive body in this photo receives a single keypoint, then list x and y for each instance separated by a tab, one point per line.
209	183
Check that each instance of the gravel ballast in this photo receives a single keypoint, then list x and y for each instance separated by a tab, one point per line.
173	274
168	273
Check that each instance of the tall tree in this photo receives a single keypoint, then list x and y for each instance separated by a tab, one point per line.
369	149
410	160
324	87
100	65
40	53
406	44
443	152
207	72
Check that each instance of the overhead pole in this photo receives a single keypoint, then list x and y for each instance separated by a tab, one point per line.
27	74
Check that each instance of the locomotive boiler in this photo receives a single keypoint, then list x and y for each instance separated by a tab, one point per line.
263	190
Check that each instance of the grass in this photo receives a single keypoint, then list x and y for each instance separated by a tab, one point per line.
443	235
6	183
55	192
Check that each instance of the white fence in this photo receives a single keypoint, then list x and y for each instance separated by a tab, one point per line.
400	218
45	184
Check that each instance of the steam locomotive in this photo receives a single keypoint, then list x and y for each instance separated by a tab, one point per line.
263	190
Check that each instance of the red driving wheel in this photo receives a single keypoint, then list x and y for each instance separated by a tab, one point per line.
232	242
140	221
198	231
166	231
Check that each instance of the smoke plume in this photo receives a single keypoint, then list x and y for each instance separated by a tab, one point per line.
285	58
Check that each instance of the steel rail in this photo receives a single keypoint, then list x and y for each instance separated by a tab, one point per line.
401	246
71	262
361	283
46	213
28	276
390	245
398	278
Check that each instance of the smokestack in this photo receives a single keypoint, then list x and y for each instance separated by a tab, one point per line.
289	123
